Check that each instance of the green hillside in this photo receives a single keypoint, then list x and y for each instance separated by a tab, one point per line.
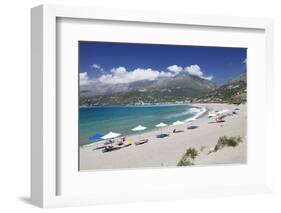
234	91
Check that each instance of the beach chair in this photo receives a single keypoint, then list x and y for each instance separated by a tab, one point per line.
220	119
108	148
120	143
129	142
142	141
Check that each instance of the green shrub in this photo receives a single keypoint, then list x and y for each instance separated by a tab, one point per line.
185	162
227	141
231	141
192	153
188	156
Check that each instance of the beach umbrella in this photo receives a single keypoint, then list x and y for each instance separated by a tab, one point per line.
177	123
223	112
161	125
139	128
110	135
95	137
212	115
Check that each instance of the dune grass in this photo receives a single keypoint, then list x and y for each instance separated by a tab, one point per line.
227	141
188	157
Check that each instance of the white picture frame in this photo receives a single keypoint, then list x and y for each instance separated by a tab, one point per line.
44	149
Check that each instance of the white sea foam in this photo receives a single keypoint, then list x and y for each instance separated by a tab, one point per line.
199	112
194	110
187	112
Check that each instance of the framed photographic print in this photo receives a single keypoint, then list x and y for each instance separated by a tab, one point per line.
147	105
155	108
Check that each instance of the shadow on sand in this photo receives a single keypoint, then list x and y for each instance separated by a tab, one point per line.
214	122
178	131
162	135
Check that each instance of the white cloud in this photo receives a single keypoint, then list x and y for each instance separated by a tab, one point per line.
120	75
195	70
209	78
167	74
84	79
97	66
175	68
119	71
245	61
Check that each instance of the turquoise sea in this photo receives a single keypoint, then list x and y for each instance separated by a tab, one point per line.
122	119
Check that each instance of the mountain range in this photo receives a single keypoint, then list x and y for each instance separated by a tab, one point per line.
178	89
234	91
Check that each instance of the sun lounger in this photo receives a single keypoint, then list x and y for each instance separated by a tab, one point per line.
220	119
109	148
141	141
129	142
120	143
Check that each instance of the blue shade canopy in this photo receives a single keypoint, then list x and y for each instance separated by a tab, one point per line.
96	137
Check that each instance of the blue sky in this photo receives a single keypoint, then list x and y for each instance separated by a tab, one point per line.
126	62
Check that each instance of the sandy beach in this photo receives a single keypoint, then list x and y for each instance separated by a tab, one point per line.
163	152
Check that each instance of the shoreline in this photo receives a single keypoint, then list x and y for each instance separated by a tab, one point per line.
137	105
201	113
166	152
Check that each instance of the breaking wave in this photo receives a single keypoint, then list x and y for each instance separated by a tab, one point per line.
194	110
191	111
